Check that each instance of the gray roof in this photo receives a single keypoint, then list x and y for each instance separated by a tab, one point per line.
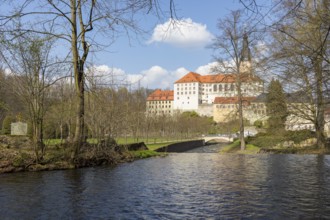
261	98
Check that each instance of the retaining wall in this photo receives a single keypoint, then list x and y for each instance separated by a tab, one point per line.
182	146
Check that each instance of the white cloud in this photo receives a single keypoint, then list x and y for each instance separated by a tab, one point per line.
8	71
106	76
154	77
183	33
206	69
215	67
157	77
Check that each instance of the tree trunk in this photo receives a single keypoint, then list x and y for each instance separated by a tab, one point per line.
241	123
79	137
319	125
240	109
79	82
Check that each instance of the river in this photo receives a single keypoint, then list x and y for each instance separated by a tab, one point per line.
200	184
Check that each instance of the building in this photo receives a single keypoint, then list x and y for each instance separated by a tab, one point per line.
225	109
195	92
160	102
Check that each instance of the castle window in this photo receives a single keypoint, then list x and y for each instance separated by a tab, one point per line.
231	87
215	88
220	87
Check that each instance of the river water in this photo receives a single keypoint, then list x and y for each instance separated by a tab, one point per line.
200	184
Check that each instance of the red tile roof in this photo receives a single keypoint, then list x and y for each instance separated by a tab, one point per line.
161	95
217	78
232	100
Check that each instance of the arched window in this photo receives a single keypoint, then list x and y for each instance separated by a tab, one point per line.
220	87
215	88
232	87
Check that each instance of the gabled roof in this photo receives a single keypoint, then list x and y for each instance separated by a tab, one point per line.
161	95
216	78
189	77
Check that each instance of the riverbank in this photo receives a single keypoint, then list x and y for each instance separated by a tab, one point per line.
234	148
17	155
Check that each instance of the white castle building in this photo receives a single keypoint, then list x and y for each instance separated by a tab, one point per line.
196	92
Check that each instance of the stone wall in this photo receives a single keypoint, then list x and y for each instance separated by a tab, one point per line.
182	146
205	110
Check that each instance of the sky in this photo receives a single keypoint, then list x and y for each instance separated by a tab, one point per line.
165	54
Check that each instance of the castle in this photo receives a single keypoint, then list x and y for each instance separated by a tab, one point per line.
214	95
210	95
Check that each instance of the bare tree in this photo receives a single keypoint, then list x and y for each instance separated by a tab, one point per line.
301	52
79	24
233	56
33	68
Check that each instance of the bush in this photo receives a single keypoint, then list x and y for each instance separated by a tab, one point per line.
299	136
266	140
6	124
258	124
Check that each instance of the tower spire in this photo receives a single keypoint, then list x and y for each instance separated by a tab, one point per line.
246	53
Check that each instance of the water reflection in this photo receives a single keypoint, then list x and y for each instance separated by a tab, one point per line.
180	186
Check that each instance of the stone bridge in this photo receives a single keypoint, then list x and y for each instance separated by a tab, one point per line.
218	139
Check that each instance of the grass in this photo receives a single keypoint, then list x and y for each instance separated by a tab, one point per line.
152	144
140	154
123	140
236	148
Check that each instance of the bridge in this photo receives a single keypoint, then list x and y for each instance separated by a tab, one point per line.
218	139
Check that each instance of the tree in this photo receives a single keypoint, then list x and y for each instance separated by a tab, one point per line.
234	56
276	106
79	24
6	124
301	52
29	59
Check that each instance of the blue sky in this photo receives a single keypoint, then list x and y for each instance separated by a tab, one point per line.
159	58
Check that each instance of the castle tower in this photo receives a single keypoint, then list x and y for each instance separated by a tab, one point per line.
246	56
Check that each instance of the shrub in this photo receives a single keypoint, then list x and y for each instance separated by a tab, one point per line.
6	124
266	140
299	136
258	124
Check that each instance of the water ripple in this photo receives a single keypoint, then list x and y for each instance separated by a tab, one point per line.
180	186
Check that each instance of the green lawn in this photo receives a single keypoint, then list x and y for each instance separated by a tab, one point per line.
152	144
235	148
145	154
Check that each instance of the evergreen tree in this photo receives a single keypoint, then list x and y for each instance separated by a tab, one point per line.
276	106
6	125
